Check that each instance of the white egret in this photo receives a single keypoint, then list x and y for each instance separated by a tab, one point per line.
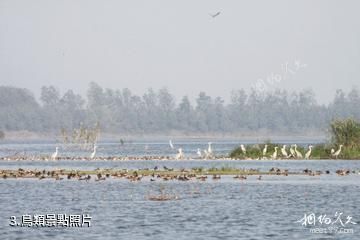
298	153
180	154
332	152
198	152
265	150
55	154
243	149
337	153
92	156
308	153
171	144
210	151
206	154
283	151
274	155
292	151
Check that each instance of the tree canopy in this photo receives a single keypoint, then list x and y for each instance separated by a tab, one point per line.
157	111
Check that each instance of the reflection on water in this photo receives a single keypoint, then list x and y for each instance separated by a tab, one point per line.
223	209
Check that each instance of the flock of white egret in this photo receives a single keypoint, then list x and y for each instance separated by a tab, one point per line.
55	155
293	152
209	152
206	153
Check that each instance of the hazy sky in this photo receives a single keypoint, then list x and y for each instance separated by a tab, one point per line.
178	45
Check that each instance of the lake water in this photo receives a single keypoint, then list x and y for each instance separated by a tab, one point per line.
223	209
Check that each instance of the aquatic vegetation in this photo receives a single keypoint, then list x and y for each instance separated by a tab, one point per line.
162	195
223	169
198	169
321	151
345	144
346	132
257	151
86	137
2	135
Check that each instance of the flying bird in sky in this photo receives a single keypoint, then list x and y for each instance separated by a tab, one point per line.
215	15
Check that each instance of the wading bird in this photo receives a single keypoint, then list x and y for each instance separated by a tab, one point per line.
92	156
298	153
274	155
210	151
283	151
55	154
180	154
171	144
308	153
292	152
198	152
265	150
337	153
332	152
206	154
243	149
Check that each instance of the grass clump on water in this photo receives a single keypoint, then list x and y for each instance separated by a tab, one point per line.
345	133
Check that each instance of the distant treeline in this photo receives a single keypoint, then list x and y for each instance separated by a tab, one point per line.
121	111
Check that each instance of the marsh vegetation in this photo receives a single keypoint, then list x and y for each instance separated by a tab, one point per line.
344	143
83	137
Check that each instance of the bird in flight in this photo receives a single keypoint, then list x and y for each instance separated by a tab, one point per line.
215	15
